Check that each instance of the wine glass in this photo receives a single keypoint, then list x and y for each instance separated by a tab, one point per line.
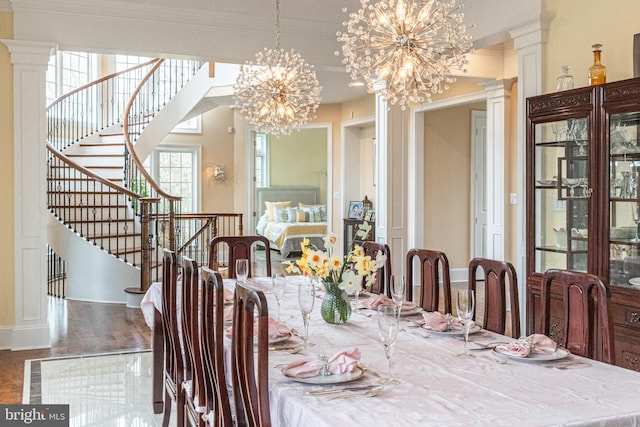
388	329
306	298
464	305
242	269
636	220
279	288
397	290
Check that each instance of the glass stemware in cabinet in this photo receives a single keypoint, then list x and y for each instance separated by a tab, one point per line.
465	304
636	219
306	298
388	323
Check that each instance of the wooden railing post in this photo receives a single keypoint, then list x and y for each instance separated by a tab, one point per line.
172	225
135	294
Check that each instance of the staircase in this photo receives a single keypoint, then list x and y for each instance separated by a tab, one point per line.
98	198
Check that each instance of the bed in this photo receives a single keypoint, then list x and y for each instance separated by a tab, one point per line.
289	214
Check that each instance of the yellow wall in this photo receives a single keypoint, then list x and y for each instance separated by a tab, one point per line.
7	291
447	164
578	24
300	159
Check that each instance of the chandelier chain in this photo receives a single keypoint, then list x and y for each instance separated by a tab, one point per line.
278	93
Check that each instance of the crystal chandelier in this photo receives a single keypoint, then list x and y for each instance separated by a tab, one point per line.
405	49
280	92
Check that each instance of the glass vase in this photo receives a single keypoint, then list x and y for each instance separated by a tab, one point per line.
565	80
336	308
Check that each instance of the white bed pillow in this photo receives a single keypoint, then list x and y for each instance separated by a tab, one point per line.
280	214
317	213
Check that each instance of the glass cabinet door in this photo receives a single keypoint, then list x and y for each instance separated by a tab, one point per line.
624	199
562	194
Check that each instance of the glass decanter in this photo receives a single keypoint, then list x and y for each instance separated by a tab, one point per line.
565	80
597	72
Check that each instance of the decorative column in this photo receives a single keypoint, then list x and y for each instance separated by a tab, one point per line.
30	61
530	41
391	181
498	99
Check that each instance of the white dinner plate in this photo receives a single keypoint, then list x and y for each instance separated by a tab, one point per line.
411	311
279	339
454	332
330	379
635	281
536	357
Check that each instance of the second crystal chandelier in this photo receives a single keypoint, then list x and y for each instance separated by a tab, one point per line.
280	92
405	49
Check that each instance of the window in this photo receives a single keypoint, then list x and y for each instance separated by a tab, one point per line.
262	159
175	170
68	71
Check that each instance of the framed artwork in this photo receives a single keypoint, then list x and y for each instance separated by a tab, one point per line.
370	215
355	210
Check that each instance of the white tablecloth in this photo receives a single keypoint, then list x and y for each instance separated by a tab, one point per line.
440	388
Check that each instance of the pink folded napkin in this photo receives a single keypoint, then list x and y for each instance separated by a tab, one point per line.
408	305
227	296
524	347
277	329
519	348
340	363
435	321
375	301
344	361
542	344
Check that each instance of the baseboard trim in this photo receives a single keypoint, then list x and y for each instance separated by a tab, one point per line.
31	338
6	337
459	275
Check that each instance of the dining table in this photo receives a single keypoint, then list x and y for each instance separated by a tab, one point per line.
437	383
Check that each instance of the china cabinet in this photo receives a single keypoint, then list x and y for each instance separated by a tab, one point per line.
350	229
583	199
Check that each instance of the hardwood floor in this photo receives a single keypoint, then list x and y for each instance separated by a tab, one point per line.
77	327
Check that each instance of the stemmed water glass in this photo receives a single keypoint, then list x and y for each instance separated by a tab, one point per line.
279	288
306	298
242	269
464	305
397	290
636	219
388	329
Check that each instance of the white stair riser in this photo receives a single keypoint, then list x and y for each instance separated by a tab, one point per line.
97	161
89	199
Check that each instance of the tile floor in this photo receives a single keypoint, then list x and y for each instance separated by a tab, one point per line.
101	390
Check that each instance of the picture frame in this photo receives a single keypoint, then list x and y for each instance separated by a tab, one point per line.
370	215
356	210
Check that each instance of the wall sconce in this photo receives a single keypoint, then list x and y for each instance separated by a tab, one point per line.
218	174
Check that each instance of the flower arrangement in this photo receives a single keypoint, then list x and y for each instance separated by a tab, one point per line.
347	272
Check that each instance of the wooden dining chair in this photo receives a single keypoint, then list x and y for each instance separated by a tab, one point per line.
585	311
193	367
173	363
498	277
212	333
239	247
383	275
250	382
430	264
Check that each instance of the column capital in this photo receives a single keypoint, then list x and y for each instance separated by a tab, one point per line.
29	53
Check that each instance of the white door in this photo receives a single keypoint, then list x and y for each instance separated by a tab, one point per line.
478	183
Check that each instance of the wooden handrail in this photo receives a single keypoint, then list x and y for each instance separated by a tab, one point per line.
100	80
91	174
129	144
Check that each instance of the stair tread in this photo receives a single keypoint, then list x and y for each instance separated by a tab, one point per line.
95	155
101	144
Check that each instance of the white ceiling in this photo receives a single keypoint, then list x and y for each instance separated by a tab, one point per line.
232	31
